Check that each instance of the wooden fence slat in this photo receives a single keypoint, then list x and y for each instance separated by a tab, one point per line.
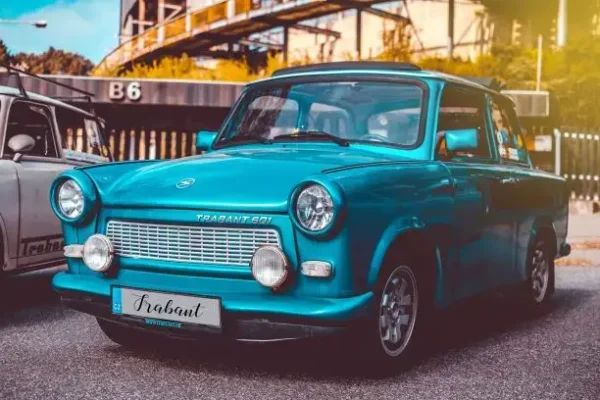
152	150
163	145
173	144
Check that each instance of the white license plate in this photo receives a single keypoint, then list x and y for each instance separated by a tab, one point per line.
166	309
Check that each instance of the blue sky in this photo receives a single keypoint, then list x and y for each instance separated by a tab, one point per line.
88	27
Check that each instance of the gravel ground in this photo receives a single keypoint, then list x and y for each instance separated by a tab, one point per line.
483	349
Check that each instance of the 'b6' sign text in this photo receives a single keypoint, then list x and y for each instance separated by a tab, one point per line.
118	91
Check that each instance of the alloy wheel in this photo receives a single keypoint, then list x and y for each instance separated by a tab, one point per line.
398	310
540	275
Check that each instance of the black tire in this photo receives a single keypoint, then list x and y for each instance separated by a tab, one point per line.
2	274
539	286
125	336
395	344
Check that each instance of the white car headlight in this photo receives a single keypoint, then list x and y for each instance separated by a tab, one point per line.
314	208
269	266
70	199
98	253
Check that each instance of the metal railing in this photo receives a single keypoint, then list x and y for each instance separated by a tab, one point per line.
190	24
577	159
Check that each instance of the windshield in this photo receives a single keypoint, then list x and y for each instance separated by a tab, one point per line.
356	111
81	137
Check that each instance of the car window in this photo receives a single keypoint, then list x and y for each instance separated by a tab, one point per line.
270	116
462	109
80	136
399	125
35	121
506	134
328	118
381	113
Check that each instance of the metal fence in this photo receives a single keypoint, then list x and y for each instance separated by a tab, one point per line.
577	158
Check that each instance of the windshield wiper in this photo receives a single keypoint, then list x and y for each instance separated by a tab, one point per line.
314	134
246	139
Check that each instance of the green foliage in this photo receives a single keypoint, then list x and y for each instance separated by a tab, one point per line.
572	75
54	61
5	56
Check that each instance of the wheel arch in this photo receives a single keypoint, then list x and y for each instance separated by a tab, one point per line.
417	241
544	229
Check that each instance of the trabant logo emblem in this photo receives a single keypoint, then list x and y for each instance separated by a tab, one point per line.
185	183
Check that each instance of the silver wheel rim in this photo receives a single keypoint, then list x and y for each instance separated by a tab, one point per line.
398	310
540	275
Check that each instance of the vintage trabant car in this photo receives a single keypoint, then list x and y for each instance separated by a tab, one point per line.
38	140
344	196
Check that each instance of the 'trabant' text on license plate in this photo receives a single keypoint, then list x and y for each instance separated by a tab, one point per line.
156	307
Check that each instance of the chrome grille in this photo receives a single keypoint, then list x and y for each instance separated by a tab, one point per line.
190	244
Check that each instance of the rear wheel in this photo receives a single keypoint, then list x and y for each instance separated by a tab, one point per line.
539	286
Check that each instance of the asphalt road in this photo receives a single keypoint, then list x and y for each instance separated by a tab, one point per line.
484	349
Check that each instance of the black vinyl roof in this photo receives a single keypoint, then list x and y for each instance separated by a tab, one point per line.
332	66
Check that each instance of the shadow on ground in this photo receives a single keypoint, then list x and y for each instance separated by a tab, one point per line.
466	325
23	295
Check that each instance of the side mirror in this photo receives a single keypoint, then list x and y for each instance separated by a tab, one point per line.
461	140
20	144
204	140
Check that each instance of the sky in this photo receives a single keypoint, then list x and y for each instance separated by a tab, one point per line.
88	27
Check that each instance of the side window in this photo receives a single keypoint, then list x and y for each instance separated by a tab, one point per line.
462	109
35	121
506	133
78	133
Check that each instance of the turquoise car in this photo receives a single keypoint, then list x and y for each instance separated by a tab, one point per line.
355	197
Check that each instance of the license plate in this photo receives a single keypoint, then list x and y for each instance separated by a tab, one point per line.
166	309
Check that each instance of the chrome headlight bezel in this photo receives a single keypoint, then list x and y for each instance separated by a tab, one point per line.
278	253
88	191
107	246
338	207
77	199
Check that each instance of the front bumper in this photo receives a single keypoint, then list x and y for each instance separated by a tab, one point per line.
247	315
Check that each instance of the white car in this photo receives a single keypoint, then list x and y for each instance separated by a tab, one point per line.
39	138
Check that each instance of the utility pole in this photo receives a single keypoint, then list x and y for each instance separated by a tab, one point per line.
538	85
451	6
561	24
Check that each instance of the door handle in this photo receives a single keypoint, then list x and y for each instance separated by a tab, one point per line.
508	181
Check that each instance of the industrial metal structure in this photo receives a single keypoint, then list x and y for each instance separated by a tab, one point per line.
151	29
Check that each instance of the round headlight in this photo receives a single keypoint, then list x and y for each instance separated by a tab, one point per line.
98	253
269	266
70	199
314	208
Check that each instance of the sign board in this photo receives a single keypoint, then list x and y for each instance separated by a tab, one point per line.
542	143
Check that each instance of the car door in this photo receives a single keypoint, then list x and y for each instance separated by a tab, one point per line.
484	236
40	236
529	193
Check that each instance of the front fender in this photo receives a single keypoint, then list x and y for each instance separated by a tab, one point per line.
395	231
397	228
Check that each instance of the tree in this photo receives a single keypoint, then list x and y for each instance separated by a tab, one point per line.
5	56
54	61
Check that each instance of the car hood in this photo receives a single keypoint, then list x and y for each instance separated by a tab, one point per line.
235	180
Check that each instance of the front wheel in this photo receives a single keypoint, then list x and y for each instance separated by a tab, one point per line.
392	335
